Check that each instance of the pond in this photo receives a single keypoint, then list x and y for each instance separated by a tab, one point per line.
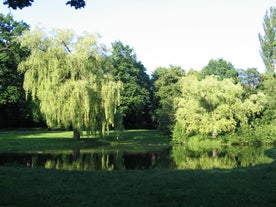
170	157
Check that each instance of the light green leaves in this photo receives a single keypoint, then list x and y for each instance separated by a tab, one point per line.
213	107
68	74
268	40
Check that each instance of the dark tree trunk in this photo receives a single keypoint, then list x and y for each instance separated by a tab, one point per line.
76	135
76	153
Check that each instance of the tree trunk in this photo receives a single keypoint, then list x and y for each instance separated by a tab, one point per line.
76	153
76	135
214	134
215	153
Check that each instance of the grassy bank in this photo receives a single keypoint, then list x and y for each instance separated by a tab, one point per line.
253	186
40	140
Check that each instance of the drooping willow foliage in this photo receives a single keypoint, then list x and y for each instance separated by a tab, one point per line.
70	76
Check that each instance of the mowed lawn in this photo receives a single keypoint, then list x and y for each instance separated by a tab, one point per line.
40	140
250	186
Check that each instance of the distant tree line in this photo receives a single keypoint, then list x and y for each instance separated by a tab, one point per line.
73	81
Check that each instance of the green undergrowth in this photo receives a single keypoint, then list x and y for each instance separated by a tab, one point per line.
261	135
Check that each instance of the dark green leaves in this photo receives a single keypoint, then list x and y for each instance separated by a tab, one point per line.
14	4
20	4
135	97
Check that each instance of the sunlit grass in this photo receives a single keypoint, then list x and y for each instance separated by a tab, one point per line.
41	140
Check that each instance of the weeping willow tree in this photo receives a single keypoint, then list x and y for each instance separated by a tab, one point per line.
70	77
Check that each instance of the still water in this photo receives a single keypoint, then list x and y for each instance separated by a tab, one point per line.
172	157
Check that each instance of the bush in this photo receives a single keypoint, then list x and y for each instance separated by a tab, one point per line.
179	134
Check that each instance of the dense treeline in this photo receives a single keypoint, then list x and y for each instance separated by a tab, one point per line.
75	82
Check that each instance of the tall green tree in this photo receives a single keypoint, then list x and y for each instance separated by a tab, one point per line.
268	41
135	97
213	107
165	90
15	110
10	56
70	76
220	68
268	54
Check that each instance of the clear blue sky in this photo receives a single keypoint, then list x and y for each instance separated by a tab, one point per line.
187	33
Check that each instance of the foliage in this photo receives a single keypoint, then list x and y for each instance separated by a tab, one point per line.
268	86
10	56
69	75
250	78
14	4
220	68
268	41
213	107
268	53
78	4
165	89
262	134
135	97
15	110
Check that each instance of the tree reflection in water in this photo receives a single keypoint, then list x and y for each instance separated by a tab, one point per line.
229	157
85	161
114	160
175	157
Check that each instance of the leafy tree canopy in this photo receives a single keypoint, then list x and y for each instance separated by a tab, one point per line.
165	89
70	76
15	4
213	107
268	41
15	110
220	68
10	56
135	96
268	53
250	77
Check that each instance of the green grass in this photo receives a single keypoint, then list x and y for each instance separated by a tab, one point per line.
41	140
248	186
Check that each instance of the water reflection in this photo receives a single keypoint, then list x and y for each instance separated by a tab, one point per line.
92	161
229	157
175	157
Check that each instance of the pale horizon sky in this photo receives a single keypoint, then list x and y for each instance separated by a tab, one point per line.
186	33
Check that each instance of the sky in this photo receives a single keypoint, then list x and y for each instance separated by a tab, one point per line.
186	33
